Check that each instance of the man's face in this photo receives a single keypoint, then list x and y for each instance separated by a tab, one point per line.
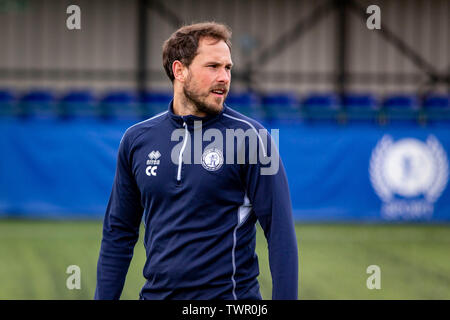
209	76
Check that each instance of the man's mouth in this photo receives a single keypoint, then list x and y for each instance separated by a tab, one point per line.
219	92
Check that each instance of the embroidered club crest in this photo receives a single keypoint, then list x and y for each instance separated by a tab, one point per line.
212	159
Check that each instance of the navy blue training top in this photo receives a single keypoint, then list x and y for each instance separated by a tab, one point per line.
200	212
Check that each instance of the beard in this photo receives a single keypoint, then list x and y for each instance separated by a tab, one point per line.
199	100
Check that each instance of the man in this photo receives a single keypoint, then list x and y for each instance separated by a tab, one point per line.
199	215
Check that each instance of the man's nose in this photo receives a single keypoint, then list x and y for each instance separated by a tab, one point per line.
224	76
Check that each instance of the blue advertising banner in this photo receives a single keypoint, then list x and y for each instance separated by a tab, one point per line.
368	172
358	172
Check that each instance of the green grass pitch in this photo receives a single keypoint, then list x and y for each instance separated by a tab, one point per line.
414	260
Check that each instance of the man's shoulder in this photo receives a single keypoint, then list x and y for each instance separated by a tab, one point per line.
137	129
238	120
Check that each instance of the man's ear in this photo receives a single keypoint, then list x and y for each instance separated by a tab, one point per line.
179	71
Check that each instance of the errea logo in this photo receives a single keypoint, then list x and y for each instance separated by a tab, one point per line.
152	163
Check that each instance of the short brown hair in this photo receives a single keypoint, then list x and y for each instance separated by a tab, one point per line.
183	43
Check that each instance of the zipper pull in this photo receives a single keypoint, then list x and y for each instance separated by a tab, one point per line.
180	157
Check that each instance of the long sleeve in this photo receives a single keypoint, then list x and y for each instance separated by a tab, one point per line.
120	228
270	198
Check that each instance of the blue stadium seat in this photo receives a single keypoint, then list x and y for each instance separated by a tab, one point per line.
401	108
437	107
155	102
281	106
247	103
361	107
38	104
79	104
321	106
120	105
439	102
7	103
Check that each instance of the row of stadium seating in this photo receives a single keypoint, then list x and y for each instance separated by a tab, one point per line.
274	106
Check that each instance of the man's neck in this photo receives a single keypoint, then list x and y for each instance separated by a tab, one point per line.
183	107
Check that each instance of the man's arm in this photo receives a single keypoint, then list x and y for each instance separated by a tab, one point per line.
120	228
270	198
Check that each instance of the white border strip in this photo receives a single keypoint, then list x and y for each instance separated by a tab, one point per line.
242	214
134	125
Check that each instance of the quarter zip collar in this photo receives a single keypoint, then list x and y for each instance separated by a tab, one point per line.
189	119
